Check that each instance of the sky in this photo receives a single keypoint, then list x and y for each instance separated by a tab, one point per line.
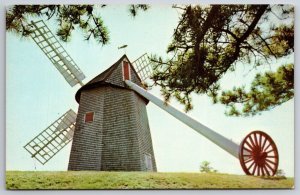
36	95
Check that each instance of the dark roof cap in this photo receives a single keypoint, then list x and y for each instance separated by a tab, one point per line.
102	77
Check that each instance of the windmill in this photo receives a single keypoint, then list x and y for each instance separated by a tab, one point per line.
111	130
96	145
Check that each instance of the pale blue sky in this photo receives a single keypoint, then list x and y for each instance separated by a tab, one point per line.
37	95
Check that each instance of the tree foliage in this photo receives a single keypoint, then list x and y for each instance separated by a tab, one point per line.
209	41
69	17
206	168
266	91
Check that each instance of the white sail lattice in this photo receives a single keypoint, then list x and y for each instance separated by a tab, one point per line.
142	65
48	43
54	138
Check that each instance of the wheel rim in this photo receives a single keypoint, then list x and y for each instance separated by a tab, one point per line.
258	154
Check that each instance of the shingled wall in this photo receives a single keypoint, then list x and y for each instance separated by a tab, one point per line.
117	79
119	138
87	143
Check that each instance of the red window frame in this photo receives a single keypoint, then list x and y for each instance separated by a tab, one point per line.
89	117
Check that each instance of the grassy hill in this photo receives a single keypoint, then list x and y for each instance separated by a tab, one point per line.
138	180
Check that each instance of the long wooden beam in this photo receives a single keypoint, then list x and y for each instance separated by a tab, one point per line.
226	144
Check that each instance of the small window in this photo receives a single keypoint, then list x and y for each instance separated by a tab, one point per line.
89	117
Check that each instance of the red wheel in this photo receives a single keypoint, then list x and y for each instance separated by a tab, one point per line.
258	154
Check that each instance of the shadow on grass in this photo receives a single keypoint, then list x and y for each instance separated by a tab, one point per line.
273	177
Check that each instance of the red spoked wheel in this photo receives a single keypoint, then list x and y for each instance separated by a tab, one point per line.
258	154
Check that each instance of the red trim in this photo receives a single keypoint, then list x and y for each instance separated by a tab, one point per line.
126	70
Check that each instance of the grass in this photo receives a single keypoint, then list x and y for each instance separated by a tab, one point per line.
138	180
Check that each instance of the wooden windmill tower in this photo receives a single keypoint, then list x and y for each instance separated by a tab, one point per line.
111	130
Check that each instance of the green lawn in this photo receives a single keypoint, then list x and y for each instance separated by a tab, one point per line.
138	180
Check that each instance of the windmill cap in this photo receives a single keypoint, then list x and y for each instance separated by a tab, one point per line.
101	79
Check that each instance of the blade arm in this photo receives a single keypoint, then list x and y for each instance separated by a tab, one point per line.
226	144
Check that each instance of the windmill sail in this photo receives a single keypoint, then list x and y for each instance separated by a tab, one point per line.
48	43
142	65
55	137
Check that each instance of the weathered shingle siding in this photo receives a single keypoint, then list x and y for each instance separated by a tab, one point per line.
120	135
144	135
87	140
118	138
116	77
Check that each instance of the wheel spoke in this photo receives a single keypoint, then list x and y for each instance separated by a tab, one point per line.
270	161
271	150
258	171
251	140
254	169
255	139
263	146
251	165
260	139
267	165
248	160
268	173
251	147
267	147
271	156
262	170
